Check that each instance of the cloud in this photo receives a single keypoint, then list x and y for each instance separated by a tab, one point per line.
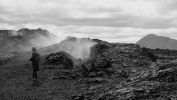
114	34
93	18
119	13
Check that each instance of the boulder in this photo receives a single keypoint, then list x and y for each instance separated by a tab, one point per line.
62	58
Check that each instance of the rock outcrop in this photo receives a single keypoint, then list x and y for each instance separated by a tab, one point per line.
60	58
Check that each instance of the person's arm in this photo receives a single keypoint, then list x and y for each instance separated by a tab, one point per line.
31	59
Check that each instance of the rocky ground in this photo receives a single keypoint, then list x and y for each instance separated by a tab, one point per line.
113	72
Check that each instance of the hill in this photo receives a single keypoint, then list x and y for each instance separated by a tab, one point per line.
24	39
153	41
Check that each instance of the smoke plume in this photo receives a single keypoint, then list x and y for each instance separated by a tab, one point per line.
77	47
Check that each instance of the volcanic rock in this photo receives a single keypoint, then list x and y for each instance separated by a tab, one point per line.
62	58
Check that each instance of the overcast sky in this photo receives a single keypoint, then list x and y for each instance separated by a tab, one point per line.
112	20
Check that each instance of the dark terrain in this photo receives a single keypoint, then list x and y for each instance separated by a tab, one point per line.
114	71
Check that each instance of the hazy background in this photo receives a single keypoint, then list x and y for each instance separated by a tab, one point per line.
111	20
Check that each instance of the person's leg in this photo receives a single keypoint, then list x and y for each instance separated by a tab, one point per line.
35	75
33	65
37	69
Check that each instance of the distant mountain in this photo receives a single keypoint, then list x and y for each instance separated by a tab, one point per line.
24	39
154	41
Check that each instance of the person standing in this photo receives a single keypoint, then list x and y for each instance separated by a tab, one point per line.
35	58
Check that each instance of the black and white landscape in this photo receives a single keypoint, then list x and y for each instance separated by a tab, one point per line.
89	49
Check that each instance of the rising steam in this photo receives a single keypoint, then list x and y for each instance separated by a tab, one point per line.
25	39
77	47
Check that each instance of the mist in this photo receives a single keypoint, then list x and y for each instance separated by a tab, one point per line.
79	48
43	41
25	39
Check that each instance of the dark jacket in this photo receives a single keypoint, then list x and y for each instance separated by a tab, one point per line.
35	61
35	57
